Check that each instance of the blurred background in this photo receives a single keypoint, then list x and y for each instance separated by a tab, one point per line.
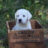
38	8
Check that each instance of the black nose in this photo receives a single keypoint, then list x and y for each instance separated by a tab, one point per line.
19	20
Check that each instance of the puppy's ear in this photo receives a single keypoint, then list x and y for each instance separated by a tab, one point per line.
29	15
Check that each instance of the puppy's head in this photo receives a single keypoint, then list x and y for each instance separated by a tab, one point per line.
23	16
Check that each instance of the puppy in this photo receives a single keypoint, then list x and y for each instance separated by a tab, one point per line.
22	17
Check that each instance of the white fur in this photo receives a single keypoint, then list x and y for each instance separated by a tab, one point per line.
25	23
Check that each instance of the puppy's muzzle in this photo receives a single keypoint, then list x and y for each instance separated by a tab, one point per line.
20	20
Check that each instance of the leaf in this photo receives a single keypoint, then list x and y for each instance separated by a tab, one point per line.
29	3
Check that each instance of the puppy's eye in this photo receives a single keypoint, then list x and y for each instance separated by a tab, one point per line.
23	15
17	15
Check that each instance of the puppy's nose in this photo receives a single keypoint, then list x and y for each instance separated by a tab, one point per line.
19	20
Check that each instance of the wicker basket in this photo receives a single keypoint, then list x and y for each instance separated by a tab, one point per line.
26	39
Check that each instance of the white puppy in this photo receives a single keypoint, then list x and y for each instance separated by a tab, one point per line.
22	17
